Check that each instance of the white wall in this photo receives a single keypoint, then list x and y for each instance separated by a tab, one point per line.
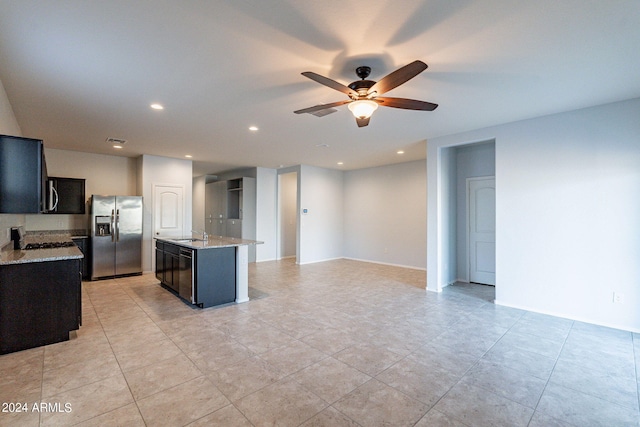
385	209
288	205
266	213
104	175
199	191
567	213
321	230
154	170
8	126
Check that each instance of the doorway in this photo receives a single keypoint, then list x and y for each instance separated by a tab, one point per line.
287	238
471	163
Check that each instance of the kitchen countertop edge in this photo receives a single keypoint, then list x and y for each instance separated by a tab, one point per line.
9	256
212	243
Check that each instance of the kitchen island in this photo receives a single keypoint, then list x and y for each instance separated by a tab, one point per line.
205	272
40	294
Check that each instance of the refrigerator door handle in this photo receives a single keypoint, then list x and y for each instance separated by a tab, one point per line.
113	222
118	225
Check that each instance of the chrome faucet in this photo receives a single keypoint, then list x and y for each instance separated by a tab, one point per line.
205	236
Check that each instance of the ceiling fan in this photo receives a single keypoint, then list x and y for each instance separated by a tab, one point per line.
364	95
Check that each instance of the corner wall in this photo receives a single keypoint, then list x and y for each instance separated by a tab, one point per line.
385	209
567	213
320	191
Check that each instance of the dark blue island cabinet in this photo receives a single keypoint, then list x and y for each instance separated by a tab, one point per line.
205	277
40	303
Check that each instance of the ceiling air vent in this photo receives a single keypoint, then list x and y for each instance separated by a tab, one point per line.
116	141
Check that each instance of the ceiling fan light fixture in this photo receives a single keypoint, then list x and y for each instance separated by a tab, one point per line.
363	109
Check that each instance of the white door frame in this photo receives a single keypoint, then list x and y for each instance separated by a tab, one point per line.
468	217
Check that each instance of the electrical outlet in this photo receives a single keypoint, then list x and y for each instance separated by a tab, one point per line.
618	298
386	250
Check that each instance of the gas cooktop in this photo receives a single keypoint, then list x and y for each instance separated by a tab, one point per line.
48	245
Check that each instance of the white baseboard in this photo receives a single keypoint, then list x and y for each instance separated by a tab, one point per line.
567	316
387	263
317	261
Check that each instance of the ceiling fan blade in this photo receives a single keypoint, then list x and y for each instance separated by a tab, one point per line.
322	107
362	122
330	83
407	104
398	77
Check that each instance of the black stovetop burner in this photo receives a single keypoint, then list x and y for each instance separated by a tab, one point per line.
48	245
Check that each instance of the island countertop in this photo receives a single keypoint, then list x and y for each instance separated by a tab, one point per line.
212	242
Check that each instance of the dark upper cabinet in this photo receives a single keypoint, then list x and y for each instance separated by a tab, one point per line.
23	175
66	196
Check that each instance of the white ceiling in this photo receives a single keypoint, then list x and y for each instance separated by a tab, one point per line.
77	72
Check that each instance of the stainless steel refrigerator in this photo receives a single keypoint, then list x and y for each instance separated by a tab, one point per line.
116	236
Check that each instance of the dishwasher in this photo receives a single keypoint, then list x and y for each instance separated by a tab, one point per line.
185	287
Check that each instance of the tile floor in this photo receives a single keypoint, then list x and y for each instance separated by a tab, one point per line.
340	343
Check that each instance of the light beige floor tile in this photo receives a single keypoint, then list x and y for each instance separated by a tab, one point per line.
72	352
128	416
330	417
146	354
20	366
330	340
292	357
421	382
182	404
479	407
368	358
217	356
264	339
330	379
88	401
18	417
160	376
438	419
243	378
366	316
285	403
228	416
376	404
89	370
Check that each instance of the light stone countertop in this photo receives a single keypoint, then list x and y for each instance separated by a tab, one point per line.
8	255
212	243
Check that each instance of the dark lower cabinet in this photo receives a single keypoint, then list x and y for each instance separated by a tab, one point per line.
40	303
206	278
83	244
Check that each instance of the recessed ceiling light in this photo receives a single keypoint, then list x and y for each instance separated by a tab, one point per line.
253	128
188	156
157	106
400	152
117	146
322	145
340	163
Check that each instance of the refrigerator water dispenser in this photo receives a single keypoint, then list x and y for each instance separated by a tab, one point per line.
103	225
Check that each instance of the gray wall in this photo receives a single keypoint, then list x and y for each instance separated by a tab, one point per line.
385	210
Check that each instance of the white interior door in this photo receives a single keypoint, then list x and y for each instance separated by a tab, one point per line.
482	230
168	210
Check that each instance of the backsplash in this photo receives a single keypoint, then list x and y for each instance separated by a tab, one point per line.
70	232
6	222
